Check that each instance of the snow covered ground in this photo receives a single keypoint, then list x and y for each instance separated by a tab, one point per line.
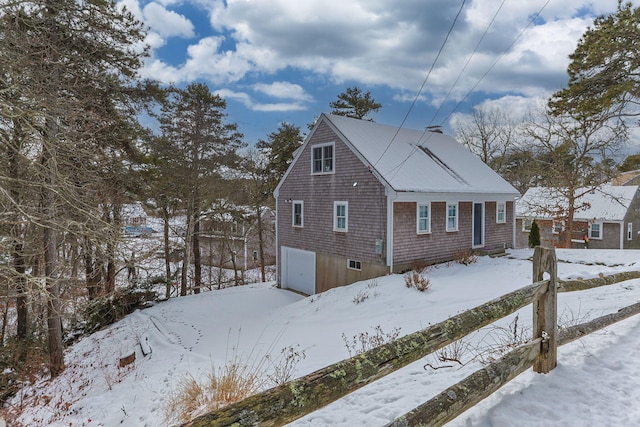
596	382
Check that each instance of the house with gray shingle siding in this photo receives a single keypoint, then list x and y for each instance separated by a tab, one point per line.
362	199
607	217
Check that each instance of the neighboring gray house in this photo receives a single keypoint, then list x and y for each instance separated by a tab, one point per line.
231	239
362	199
606	218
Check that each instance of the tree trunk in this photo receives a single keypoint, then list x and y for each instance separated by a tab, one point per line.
197	257
112	247
167	250
49	240
92	272
221	251
22	307
569	225
186	258
260	231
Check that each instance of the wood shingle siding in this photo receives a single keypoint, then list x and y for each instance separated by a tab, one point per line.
367	205
378	168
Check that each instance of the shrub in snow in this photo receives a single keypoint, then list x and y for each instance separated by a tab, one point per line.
534	235
415	279
465	257
238	379
364	341
109	309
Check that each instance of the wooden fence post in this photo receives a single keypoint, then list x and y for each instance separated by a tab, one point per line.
545	310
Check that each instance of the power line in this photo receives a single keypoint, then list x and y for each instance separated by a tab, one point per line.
504	52
424	82
475	49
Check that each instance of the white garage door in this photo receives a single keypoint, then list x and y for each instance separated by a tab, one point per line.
298	270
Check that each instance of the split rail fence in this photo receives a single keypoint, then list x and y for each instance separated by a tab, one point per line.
283	404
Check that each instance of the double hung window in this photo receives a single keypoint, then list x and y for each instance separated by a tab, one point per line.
340	216
452	217
298	213
322	158
424	219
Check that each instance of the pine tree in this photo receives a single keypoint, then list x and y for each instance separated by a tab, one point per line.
68	69
278	149
199	145
355	103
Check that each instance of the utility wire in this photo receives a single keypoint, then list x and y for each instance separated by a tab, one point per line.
475	50
424	82
504	52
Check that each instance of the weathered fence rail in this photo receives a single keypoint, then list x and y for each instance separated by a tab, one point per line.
288	402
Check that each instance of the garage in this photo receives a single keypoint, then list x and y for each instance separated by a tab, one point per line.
298	270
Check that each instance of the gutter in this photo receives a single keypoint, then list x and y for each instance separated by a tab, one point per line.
391	197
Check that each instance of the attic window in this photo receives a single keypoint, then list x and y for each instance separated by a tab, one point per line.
322	158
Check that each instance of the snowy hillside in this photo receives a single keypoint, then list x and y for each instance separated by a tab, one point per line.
190	335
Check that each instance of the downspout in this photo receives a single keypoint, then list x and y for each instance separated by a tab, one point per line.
275	194
622	233
391	197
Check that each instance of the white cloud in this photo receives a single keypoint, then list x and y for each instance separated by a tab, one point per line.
154	40
248	102
208	62
281	106
166	22
374	42
284	90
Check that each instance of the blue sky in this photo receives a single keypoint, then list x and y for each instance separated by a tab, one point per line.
286	60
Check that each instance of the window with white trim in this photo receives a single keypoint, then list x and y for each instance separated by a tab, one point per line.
452	217
630	231
595	231
354	265
501	212
424	219
526	224
322	157
557	226
340	216
298	213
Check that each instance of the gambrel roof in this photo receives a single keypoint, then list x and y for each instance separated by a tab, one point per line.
411	160
608	202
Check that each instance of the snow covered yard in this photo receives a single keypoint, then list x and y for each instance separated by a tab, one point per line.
594	384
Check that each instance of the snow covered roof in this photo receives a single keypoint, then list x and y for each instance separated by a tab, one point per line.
606	203
133	210
419	161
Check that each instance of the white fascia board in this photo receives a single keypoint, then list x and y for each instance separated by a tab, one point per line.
453	197
298	153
